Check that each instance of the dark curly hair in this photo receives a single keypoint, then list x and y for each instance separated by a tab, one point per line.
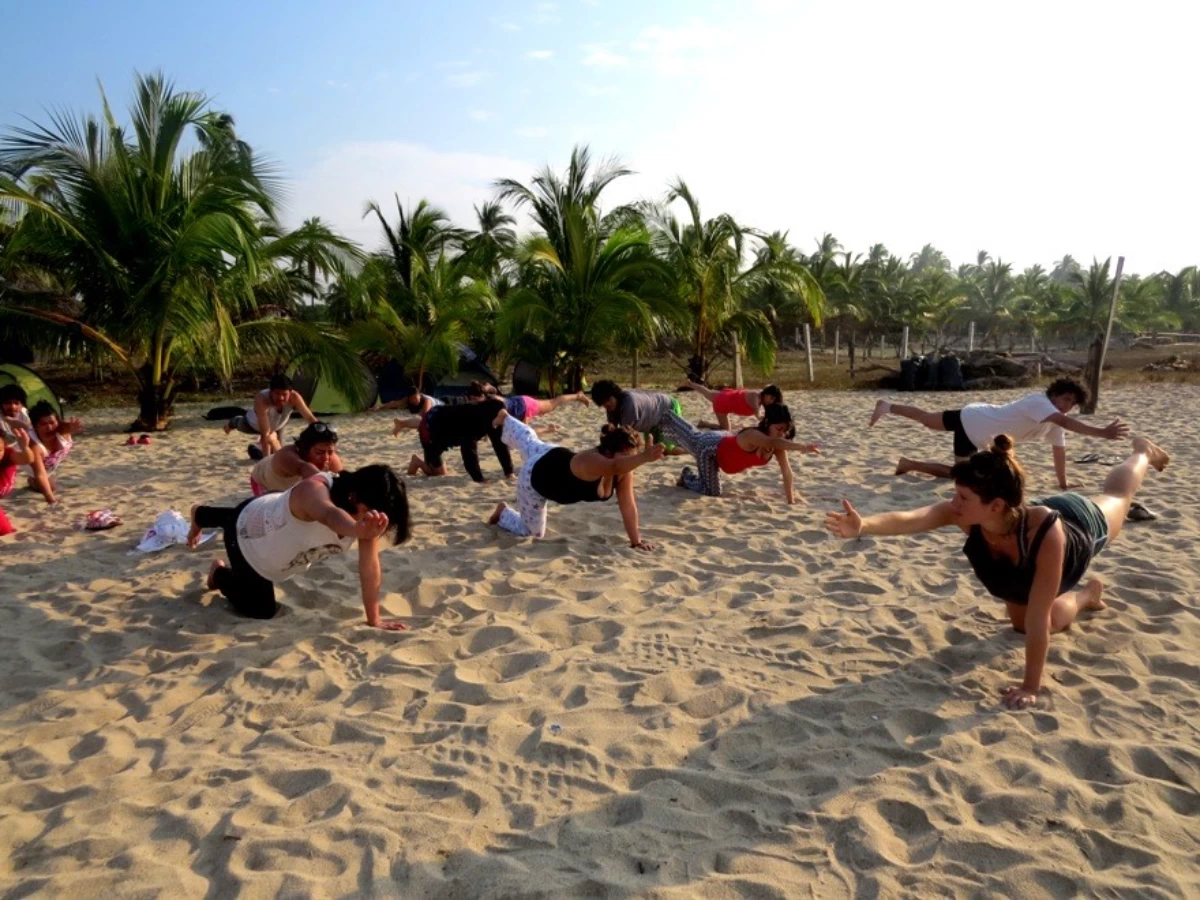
1068	386
772	391
41	410
316	433
376	487
604	390
993	473
13	392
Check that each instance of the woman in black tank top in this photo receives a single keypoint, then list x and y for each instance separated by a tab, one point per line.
551	473
1031	556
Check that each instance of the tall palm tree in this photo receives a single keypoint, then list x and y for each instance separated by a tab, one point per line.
929	258
587	282
705	261
161	247
1091	297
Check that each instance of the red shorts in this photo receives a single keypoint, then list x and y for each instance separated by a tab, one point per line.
8	476
732	402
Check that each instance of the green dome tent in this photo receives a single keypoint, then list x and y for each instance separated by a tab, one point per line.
31	382
326	400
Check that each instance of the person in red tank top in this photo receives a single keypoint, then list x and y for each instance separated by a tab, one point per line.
736	402
718	452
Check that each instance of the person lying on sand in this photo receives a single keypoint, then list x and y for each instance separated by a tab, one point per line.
20	445
1036	416
414	401
460	426
1032	556
735	402
722	451
552	473
272	538
315	450
273	407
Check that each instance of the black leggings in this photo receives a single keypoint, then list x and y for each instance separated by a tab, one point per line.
250	593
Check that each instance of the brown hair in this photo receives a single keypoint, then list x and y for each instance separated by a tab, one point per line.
993	473
616	439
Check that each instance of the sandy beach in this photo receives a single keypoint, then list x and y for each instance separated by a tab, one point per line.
755	710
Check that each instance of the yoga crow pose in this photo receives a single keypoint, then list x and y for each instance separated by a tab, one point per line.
272	538
1030	555
551	473
735	402
1036	416
315	450
719	451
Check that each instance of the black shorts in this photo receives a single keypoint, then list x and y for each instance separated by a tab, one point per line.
430	449
952	421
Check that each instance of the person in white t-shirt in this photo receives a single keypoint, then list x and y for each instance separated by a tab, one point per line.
1036	417
273	407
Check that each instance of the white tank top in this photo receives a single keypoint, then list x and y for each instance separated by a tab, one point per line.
276	418
270	480
277	544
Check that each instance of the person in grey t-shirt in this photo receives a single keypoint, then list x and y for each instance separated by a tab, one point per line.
644	411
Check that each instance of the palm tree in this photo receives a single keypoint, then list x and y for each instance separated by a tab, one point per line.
705	263
940	299
587	282
1181	297
930	258
991	294
162	248
1091	297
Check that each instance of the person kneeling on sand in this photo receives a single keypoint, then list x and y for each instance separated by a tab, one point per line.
272	538
1036	416
735	402
461	426
1032	556
20	445
721	451
273	407
640	410
315	450
552	473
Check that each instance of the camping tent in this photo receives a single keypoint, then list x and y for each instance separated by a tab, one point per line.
326	400
526	379
35	388
470	368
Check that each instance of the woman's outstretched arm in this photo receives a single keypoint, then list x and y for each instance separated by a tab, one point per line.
850	524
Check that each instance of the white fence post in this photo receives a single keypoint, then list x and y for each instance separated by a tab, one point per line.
904	344
808	350
970	337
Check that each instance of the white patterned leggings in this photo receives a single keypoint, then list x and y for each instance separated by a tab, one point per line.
529	518
702	445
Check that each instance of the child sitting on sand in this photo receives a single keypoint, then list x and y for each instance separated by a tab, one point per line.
32	450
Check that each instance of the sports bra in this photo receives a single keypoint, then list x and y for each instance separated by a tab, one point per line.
553	479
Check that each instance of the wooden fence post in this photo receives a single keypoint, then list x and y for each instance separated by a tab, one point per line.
1096	363
737	362
851	355
635	367
808	350
837	344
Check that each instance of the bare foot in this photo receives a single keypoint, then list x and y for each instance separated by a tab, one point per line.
228	427
414	466
396	429
583	398
212	571
882	408
494	518
1089	595
1158	456
904	466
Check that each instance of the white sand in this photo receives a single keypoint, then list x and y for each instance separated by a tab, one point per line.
757	710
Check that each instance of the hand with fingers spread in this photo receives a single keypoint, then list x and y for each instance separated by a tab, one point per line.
1116	430
644	546
653	451
846	524
388	625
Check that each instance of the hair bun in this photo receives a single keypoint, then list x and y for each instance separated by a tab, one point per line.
1003	444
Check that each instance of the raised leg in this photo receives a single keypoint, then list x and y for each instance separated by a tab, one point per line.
1124	480
704	392
937	470
931	420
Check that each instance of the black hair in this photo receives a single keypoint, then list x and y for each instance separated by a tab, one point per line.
777	414
280	382
993	473
772	390
1068	386
412	389
376	487
604	390
11	392
316	433
476	389
616	439
40	410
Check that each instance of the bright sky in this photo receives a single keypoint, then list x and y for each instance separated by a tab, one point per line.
1029	129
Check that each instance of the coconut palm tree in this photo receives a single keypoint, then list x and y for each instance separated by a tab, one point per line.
1091	297
161	247
587	281
705	261
929	258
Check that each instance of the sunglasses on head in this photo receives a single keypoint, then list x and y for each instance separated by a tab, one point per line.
322	428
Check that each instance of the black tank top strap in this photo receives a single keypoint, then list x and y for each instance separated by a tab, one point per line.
1042	531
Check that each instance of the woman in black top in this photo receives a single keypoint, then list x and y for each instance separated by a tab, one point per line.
460	426
1030	556
552	473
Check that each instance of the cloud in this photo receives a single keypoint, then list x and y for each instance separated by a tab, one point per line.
504	25
466	79
532	131
600	56
480	115
539	54
338	84
675	50
347	175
